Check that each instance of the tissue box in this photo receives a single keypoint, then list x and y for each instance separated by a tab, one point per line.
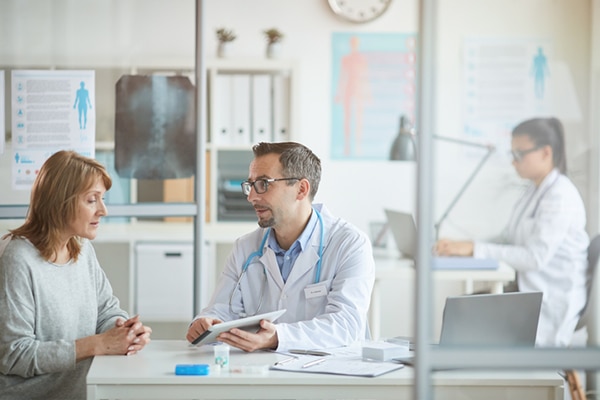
383	351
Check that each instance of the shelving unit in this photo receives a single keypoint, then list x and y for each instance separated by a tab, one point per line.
248	101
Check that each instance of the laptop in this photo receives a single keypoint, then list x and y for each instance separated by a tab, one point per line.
488	320
506	319
404	231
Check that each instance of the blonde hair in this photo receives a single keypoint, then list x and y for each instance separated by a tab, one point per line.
54	201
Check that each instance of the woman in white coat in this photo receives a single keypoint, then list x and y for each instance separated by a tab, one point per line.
302	259
545	240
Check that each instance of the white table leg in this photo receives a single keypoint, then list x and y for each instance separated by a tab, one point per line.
375	312
468	286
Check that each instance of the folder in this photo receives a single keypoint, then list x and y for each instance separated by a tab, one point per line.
262	102
351	366
222	126
241	109
281	108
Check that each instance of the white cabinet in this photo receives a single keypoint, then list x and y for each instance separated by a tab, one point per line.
164	281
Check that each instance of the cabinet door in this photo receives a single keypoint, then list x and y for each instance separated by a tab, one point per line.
164	281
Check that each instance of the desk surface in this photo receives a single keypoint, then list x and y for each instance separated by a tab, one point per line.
150	375
396	267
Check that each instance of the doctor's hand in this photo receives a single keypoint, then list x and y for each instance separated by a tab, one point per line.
199	326
445	247
265	338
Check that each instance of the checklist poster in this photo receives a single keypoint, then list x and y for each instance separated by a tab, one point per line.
51	111
504	81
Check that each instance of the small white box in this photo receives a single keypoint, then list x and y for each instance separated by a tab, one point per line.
383	351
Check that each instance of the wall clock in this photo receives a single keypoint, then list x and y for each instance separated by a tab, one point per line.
359	11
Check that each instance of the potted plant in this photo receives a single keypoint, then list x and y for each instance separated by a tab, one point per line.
274	37
224	36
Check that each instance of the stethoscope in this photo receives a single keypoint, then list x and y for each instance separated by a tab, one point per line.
538	201
259	253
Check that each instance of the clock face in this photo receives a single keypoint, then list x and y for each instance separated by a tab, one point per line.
359	10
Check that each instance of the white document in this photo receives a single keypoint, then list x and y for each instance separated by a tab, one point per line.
341	361
241	109
281	108
222	124
338	365
262	103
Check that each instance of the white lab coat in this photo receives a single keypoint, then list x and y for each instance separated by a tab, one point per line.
330	313
546	243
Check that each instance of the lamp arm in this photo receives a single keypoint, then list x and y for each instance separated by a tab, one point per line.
490	147
490	150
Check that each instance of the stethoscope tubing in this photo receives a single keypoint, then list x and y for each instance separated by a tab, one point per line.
259	253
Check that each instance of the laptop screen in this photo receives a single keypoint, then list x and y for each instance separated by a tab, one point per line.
404	232
507	319
403	228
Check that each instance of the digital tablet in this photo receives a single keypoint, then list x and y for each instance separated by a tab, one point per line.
250	324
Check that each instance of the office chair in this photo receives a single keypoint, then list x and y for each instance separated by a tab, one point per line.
592	258
577	392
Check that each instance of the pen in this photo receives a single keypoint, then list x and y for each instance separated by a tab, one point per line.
313	362
285	360
309	352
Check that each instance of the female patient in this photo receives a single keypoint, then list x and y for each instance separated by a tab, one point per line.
57	309
545	240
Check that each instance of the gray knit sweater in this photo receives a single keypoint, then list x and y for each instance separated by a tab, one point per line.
44	308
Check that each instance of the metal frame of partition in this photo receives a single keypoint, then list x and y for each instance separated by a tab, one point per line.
427	359
121	210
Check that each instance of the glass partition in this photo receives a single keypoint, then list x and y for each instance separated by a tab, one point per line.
483	67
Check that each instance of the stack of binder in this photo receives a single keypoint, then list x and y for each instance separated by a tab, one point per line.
250	108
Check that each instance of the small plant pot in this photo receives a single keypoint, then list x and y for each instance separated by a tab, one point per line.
273	50
223	49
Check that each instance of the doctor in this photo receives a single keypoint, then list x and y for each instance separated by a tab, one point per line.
302	259
545	240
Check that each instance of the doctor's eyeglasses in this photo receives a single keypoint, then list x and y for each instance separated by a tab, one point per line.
262	185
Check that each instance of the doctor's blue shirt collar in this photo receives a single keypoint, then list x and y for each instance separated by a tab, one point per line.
302	239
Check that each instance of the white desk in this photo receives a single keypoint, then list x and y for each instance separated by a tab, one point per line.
150	375
395	268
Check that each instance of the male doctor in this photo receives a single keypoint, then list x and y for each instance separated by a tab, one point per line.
302	259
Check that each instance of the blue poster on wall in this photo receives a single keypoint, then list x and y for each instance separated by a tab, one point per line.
373	85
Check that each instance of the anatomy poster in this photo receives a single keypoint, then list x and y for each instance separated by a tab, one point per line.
51	111
505	81
373	85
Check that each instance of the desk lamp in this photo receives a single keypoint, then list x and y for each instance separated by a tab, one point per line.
404	148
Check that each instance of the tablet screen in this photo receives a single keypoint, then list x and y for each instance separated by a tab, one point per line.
250	324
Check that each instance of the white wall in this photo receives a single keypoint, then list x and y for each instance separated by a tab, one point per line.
64	32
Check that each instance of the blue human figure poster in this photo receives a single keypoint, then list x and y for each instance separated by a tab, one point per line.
373	85
540	72
82	102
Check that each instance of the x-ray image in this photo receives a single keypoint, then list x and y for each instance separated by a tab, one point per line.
155	136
